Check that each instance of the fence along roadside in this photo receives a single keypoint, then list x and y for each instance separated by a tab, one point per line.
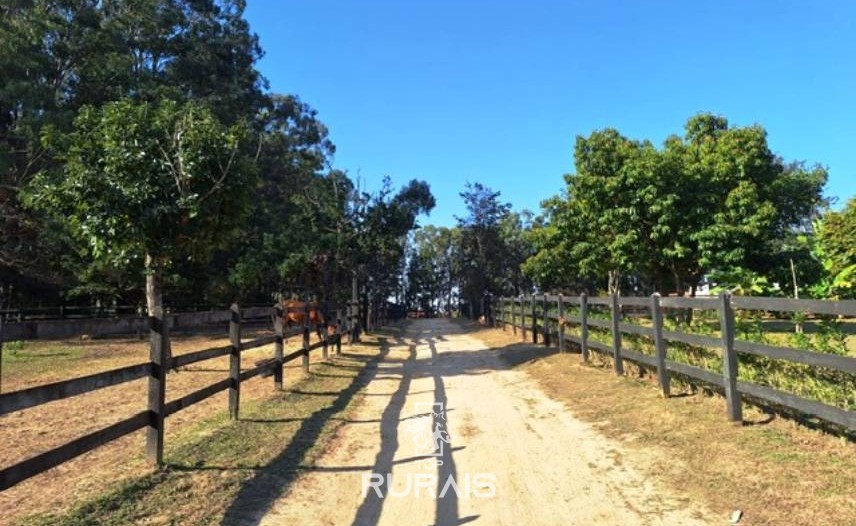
155	369
730	347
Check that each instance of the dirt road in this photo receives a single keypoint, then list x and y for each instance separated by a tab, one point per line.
445	415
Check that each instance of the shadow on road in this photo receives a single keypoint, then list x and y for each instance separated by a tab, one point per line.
257	495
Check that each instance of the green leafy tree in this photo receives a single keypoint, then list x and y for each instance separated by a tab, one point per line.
383	222
735	200
600	228
836	250
482	265
57	56
145	184
298	225
715	199
432	267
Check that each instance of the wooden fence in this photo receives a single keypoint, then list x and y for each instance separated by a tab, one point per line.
70	312
538	309
158	327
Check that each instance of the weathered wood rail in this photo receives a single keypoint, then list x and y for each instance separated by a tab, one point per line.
513	312
71	312
155	370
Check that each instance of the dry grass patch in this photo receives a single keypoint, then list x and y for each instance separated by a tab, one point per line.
774	470
32	431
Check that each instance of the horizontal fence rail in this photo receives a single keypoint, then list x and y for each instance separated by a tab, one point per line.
56	329
79	312
159	408
26	398
548	316
45	461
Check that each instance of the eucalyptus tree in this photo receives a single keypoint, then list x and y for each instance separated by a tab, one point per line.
432	266
482	266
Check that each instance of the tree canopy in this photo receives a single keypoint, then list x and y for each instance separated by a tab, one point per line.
715	198
135	128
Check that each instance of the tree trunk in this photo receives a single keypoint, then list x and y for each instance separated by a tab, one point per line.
799	326
613	281
689	316
154	292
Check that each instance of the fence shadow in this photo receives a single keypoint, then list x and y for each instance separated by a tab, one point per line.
258	494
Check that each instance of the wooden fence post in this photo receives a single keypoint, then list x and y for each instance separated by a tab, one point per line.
560	304
277	346
354	313
1	352
338	331
584	327
618	362
235	361
324	349
729	357
158	346
534	319
522	317
660	344
348	311
496	309
546	309
305	338
513	316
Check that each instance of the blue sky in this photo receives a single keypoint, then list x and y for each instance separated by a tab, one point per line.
496	91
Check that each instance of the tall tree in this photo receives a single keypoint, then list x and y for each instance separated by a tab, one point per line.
482	266
432	267
146	184
57	56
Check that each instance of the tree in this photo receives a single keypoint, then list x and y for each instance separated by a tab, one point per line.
148	183
432	267
58	56
481	264
735	201
601	226
299	224
836	250
382	223
714	199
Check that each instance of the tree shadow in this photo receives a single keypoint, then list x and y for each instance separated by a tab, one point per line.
258	494
369	511
271	481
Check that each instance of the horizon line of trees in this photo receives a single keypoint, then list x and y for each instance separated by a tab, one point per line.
712	205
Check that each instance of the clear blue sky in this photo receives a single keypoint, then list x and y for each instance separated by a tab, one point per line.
496	91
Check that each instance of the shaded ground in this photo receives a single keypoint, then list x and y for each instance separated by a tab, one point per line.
564	444
546	466
24	434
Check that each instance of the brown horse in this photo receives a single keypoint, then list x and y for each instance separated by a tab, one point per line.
294	313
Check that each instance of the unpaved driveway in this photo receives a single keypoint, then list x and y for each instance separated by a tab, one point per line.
504	434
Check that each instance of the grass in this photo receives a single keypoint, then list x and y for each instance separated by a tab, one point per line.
20	356
815	383
221	471
774	470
